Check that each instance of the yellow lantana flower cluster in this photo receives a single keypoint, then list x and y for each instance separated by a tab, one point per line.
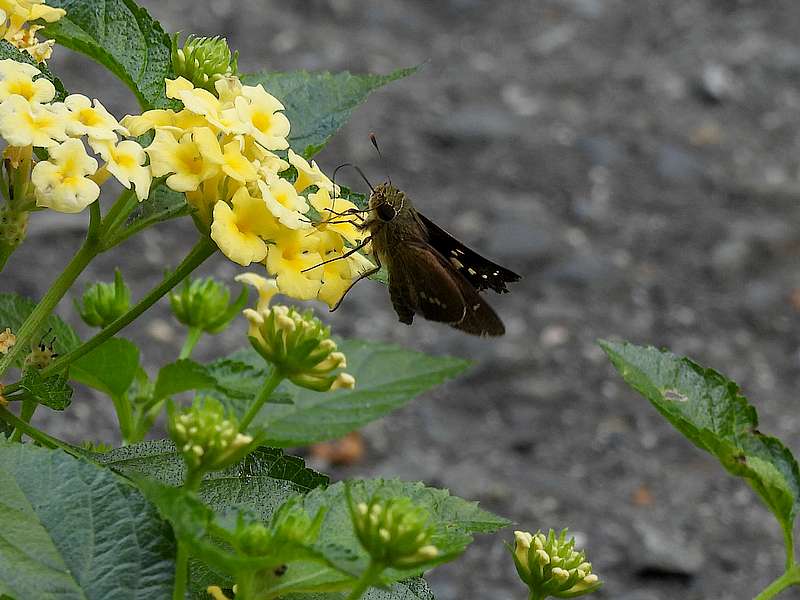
221	151
16	29
68	180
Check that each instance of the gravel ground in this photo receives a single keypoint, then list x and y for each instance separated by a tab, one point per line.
637	162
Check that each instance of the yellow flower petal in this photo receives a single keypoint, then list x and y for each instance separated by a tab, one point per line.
60	183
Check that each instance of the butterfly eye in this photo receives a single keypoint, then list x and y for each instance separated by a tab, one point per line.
386	212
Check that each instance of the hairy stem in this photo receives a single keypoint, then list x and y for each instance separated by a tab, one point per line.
35	434
192	337
25	416
181	572
368	578
266	391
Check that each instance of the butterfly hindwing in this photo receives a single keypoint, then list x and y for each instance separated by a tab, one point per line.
480	272
426	283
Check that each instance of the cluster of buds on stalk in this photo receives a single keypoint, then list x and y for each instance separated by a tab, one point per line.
204	60
296	343
104	303
204	304
395	532
550	566
207	438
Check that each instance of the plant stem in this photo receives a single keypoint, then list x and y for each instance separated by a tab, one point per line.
789	578
31	431
192	337
122	406
269	386
25	416
368	578
201	251
33	323
788	542
6	251
181	572
117	214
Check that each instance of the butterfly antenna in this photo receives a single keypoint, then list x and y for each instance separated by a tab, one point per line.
374	141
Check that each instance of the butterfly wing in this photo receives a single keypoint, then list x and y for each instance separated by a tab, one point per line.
426	283
480	272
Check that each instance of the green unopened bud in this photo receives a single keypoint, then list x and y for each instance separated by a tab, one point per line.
206	437
103	303
204	304
395	532
300	346
204	60
13	226
550	566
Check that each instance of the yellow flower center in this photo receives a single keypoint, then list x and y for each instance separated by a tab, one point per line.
22	88
89	117
125	161
190	158
262	120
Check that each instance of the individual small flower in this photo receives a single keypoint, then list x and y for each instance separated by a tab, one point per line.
285	203
550	566
140	124
24	80
61	183
266	288
338	272
235	164
299	345
25	39
188	161
203	60
334	216
293	260
204	303
125	160
240	231
207	438
7	340
309	174
395	532
90	118
103	303
24	123
217	594
259	114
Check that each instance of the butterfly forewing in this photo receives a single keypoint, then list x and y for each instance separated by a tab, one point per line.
478	271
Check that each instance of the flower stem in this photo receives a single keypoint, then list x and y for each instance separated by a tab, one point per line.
789	578
25	416
34	322
201	251
192	337
269	386
6	250
368	578
181	572
31	431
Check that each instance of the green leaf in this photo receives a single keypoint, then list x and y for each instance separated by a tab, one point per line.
73	530
181	376
161	205
387	377
319	104
709	409
14	309
110	368
123	37
410	589
52	391
9	51
454	521
263	472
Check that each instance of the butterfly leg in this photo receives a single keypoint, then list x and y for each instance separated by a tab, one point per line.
363	275
345	255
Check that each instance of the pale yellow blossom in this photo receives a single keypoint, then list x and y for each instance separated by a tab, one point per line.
188	161
18	78
240	231
266	288
285	203
23	123
94	121
126	161
309	174
293	252
61	183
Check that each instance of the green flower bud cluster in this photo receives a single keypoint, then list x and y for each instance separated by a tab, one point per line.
551	566
207	439
290	525
299	345
395	532
203	303
204	60
103	303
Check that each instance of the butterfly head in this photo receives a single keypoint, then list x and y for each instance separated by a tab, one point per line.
387	202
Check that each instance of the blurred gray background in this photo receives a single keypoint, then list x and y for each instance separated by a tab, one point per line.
638	163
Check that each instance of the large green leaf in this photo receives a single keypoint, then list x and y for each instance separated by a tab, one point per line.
123	37
319	104
9	51
14	309
109	368
51	391
411	589
709	409
73	530
162	204
387	377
